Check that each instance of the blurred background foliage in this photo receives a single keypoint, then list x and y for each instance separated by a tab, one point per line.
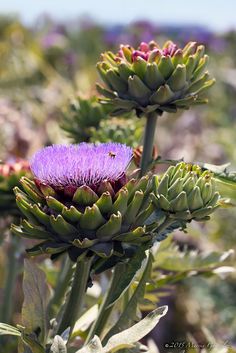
46	73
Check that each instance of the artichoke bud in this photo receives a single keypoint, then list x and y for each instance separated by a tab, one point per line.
185	192
154	79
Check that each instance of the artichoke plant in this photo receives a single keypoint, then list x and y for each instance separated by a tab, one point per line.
82	117
185	192
82	202
10	174
154	79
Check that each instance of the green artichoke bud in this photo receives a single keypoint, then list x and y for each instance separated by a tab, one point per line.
82	203
128	131
185	192
154	79
82	117
10	174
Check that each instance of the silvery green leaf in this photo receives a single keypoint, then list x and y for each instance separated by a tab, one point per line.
36	298
127	338
6	329
131	268
94	346
85	321
58	345
129	312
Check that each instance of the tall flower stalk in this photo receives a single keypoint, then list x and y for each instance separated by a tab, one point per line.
75	300
148	142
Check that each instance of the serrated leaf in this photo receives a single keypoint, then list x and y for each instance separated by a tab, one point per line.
36	298
171	258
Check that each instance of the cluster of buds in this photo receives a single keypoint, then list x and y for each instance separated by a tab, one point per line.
185	192
81	202
154	79
10	174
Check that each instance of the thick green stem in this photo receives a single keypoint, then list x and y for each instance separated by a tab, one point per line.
75	301
64	277
149	134
12	267
105	310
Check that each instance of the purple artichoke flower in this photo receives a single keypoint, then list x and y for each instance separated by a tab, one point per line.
82	202
68	167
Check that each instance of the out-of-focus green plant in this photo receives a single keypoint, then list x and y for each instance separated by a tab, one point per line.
86	120
82	117
119	130
10	174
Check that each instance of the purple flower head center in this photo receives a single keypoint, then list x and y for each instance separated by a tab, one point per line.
83	164
146	50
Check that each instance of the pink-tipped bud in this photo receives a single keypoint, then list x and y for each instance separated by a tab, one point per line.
144	47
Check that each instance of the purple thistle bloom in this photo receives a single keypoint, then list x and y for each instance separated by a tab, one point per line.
83	164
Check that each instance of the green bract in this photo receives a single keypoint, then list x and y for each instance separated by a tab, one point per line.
186	193
154	79
107	225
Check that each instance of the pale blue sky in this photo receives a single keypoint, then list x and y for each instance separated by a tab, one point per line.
216	14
